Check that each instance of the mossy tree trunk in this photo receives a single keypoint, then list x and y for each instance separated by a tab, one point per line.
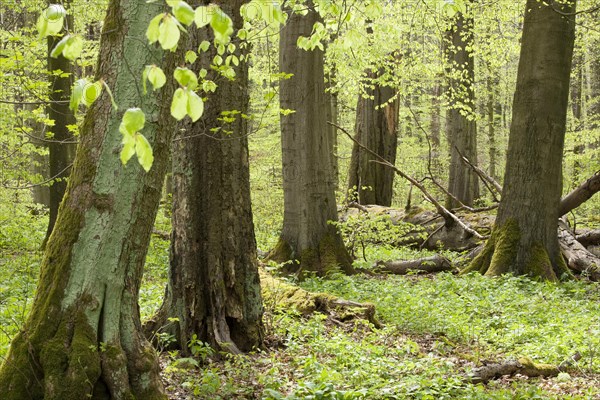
307	148
376	128
461	128
524	238
214	287
83	336
61	148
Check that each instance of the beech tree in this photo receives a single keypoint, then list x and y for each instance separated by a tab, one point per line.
83	337
309	190
214	288
461	128
524	238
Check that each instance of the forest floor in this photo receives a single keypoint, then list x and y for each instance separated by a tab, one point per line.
436	329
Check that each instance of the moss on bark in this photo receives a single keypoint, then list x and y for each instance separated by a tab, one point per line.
501	251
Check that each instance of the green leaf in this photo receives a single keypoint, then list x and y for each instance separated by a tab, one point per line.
204	46
209	86
143	149
73	47
186	78
191	56
156	76
58	49
203	72
77	94
222	25
179	104
133	121
128	149
168	33
202	16
112	98
153	32
195	106
91	92
184	13
51	20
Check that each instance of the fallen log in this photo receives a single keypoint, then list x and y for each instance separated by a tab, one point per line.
590	238
436	263
578	258
580	195
279	294
523	366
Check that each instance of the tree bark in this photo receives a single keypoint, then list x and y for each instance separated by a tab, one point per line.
214	288
524	238
461	127
309	190
83	337
428	265
580	195
376	128
61	152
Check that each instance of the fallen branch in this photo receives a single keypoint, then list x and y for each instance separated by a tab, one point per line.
578	258
448	216
428	265
482	174
591	238
580	195
523	366
277	293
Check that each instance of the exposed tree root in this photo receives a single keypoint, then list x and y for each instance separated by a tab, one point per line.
523	366
279	294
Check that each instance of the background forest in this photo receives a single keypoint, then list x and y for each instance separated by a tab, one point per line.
352	156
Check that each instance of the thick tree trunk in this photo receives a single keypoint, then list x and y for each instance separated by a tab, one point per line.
214	287
524	238
309	190
461	127
61	147
83	337
376	128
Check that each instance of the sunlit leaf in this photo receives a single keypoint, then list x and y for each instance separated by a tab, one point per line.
179	104
143	149
195	106
133	121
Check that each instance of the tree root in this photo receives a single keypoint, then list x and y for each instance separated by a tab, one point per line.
524	366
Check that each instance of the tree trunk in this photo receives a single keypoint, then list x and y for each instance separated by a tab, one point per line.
308	187
524	238
214	288
461	127
61	148
83	337
376	128
491	114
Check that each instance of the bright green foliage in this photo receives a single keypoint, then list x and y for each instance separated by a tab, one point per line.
70	47
133	141
85	92
155	75
51	20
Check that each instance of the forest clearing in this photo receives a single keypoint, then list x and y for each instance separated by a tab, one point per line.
299	199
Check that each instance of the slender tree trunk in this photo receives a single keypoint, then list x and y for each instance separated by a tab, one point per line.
83	336
309	190
461	128
491	107
524	238
376	128
214	288
332	116
61	147
577	109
